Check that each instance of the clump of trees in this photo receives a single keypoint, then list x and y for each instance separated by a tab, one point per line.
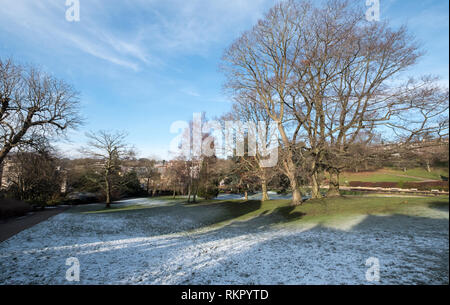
35	177
325	75
34	108
334	85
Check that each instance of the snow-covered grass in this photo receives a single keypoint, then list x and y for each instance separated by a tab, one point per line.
143	241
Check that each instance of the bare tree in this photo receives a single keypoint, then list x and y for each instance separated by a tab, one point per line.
177	176
251	168
326	75
33	105
109	148
347	84
260	65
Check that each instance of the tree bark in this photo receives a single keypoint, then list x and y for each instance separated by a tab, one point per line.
295	187
428	167
315	187
333	190
265	195
195	193
296	197
290	168
189	193
108	192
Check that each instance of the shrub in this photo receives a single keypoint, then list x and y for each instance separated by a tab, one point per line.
428	186
13	208
374	184
421	186
208	191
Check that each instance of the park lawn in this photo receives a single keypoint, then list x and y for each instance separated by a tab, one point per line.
374	177
217	213
328	209
435	173
393	175
151	241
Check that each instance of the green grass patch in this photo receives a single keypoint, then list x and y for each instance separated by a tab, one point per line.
395	175
322	210
435	173
375	177
253	213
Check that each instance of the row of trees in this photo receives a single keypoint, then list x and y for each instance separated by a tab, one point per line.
335	86
331	80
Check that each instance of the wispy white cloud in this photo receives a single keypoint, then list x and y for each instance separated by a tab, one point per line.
132	34
45	21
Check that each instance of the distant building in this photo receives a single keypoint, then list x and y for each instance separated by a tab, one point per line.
6	173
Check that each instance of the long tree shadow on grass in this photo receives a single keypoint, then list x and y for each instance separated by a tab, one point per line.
154	220
160	220
411	250
439	205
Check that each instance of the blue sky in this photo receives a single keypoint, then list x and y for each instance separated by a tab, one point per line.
141	65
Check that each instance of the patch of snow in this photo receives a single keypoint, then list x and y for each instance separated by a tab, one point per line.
164	244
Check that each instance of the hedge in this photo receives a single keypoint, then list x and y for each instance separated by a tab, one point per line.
13	208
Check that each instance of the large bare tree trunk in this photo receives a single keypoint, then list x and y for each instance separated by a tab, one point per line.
295	187
290	169
296	194
265	195
189	193
315	187
195	193
333	190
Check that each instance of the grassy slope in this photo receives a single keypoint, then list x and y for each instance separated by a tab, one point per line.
219	213
392	175
420	172
325	209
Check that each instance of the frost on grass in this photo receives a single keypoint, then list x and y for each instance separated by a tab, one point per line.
163	244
